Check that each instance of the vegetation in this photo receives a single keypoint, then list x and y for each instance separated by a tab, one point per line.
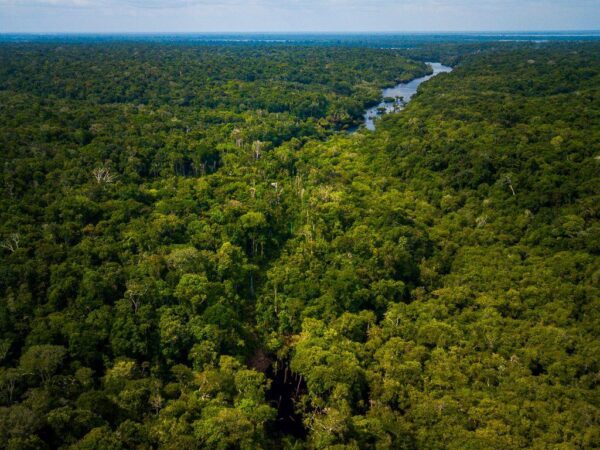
196	255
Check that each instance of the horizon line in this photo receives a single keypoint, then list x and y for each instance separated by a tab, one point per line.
595	31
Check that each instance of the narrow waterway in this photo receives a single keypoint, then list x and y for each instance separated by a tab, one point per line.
396	98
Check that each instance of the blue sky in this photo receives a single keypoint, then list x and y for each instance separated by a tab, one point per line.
296	15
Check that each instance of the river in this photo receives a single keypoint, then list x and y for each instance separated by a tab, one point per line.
402	93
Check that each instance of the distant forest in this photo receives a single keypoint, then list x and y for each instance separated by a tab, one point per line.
201	247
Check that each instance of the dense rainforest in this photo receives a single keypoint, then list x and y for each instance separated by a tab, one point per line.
198	250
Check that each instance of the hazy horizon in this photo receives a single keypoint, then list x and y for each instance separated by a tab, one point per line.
297	16
574	32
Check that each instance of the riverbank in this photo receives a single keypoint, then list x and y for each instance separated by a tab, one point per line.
396	98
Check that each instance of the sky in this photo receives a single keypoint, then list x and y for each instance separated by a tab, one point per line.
113	16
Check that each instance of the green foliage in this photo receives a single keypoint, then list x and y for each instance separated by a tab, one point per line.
42	360
195	254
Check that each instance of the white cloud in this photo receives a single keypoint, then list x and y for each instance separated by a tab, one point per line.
50	3
296	15
297	4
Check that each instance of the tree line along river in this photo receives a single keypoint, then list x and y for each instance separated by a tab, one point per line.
396	98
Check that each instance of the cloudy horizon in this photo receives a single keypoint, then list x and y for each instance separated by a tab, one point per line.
153	16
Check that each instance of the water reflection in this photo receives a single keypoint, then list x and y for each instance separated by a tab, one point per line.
396	98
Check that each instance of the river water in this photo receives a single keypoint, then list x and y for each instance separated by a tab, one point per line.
403	90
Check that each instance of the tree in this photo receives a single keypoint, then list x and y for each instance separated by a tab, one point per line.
11	243
42	360
100	438
194	291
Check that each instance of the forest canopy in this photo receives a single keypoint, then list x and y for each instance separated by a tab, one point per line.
202	248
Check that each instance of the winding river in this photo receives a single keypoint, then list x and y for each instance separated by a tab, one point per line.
396	98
